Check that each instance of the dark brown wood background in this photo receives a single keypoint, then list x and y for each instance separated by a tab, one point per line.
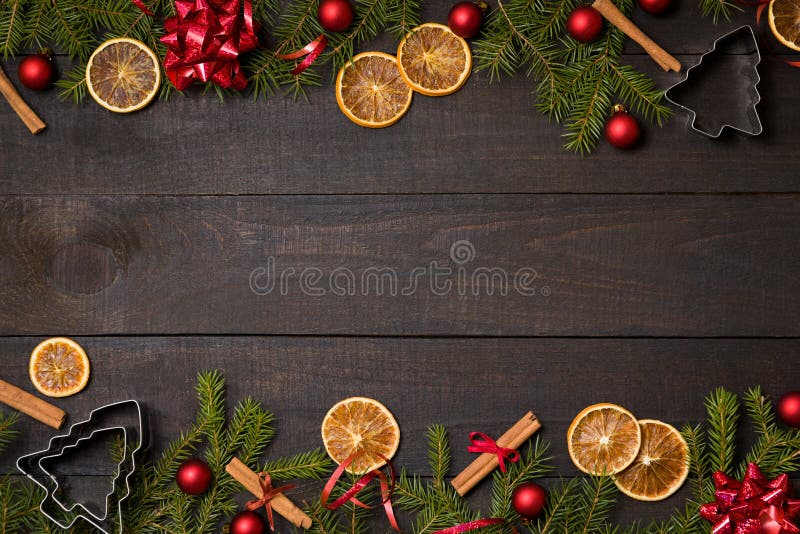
661	273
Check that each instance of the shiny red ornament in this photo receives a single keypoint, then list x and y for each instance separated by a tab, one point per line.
466	18
36	72
789	409
622	129
193	476
654	7
335	15
246	523
584	24
529	499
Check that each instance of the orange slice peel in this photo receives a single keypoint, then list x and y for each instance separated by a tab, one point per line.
603	439
433	60
123	75
59	367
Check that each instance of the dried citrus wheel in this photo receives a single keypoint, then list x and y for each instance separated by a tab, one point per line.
371	92
784	20
434	61
660	468
123	75
59	367
603	439
363	427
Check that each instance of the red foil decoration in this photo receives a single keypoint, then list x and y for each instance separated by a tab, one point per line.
312	51
482	443
204	41
267	494
753	506
386	483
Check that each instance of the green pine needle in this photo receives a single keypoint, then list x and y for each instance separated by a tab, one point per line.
722	407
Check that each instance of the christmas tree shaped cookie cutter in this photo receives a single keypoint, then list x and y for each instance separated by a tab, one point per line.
727	96
101	420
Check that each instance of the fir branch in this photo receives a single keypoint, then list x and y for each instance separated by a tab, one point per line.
370	20
439	454
597	498
722	407
71	29
532	465
11	27
324	521
312	465
777	450
7	431
37	29
718	9
73	84
403	16
560	502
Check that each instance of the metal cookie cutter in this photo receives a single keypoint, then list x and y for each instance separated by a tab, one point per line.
713	89
101	420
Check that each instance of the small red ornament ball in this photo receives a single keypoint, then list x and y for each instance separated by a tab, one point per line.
529	499
193	476
654	7
622	129
584	24
36	72
246	522
789	409
466	18
335	15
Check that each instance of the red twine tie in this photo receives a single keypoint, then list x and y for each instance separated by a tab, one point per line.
475	525
267	494
144	8
387	488
312	51
487	444
204	41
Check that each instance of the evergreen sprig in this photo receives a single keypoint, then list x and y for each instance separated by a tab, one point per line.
718	9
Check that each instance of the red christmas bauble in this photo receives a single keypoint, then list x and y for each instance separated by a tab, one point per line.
335	15
466	18
584	24
622	129
789	409
246	522
529	499
654	7
193	476
36	72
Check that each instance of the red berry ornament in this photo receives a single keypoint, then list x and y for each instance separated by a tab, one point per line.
466	18
584	24
654	7
247	523
335	15
193	476
36	72
789	409
529	499
622	129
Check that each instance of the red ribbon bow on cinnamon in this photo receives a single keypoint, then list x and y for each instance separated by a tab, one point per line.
387	489
268	492
487	444
204	41
753	506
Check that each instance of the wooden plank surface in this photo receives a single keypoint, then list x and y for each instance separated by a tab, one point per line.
592	265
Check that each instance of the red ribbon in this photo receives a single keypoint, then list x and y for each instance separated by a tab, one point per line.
312	51
475	525
752	506
144	8
487	444
267	494
387	488
204	41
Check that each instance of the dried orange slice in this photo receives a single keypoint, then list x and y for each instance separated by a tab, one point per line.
603	439
59	367
123	75
371	92
784	21
660	468
433	60
361	426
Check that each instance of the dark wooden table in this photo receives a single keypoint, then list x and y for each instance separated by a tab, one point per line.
658	274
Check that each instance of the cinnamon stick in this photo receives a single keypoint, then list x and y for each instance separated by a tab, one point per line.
486	462
618	19
280	502
30	405
28	116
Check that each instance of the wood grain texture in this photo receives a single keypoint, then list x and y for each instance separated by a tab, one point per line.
597	265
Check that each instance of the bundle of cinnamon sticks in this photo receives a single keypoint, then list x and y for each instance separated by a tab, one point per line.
487	462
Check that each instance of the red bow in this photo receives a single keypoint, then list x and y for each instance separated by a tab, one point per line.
267	494
752	506
487	444
204	41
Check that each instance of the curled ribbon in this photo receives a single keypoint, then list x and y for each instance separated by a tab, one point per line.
387	489
752	506
267	494
483	443
475	525
312	51
146	10
204	41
